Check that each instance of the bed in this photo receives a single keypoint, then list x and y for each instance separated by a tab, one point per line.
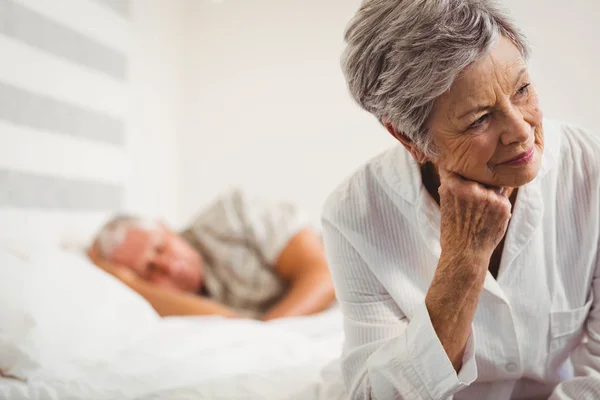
280	369
91	337
67	329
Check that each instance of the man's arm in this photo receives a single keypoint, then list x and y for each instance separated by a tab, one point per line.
171	303
165	302
303	265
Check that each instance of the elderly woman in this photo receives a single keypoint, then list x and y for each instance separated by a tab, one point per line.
466	260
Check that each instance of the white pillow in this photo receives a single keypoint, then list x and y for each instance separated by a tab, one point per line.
59	310
25	247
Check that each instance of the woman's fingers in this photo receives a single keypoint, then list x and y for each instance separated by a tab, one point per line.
450	178
474	217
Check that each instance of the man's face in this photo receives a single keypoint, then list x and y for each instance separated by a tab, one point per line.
161	257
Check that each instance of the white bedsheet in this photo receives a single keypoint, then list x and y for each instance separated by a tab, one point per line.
207	358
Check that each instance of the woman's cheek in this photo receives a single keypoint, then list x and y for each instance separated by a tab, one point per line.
480	150
533	112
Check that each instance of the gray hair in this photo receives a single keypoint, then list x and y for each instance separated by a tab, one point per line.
113	232
401	55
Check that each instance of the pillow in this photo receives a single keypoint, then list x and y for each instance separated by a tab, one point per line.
59	310
24	247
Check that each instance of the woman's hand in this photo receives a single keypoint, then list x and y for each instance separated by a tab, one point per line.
474	218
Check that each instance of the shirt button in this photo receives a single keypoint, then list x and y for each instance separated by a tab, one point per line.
511	368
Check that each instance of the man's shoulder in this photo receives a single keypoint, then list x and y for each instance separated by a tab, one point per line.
230	202
217	214
243	214
241	200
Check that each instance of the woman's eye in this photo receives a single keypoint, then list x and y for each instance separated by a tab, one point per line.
524	89
480	121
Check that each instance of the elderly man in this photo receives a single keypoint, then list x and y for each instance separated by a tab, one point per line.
241	257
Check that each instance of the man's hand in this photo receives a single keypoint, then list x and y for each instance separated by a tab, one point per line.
123	273
165	302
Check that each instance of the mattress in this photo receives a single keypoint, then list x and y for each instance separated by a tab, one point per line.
208	358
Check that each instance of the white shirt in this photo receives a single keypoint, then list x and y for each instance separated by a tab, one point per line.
382	236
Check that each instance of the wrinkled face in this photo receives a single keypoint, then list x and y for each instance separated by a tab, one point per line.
161	257
488	126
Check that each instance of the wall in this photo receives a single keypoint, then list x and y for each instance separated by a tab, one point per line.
238	92
91	103
158	56
267	107
63	115
566	56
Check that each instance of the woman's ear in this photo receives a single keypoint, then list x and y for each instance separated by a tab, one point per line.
407	142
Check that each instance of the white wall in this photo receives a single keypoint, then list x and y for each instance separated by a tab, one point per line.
250	93
267	107
151	99
157	107
566	56
61	125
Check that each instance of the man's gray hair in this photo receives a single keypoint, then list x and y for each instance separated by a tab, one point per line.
403	54
113	232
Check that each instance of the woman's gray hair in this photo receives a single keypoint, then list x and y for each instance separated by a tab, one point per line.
403	54
113	232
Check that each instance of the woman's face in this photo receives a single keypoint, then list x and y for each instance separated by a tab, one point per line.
488	126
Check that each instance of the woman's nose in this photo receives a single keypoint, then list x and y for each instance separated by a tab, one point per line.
517	129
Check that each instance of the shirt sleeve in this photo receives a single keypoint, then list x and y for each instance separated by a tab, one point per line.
586	358
386	355
268	226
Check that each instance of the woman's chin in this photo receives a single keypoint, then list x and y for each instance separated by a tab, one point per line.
517	176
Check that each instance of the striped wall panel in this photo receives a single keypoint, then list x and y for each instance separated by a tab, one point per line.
119	6
40	191
63	109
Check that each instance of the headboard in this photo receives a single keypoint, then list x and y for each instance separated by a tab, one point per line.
63	104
